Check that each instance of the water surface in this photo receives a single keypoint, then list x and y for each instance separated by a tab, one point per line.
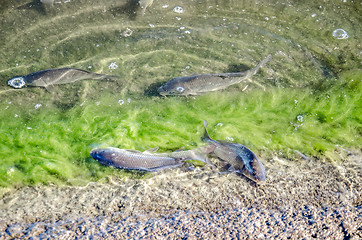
306	100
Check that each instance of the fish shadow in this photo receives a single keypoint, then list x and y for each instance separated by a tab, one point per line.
237	68
34	5
38	6
151	91
130	9
4	6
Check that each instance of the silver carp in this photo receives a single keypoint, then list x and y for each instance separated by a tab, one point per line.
241	159
50	77
148	160
200	84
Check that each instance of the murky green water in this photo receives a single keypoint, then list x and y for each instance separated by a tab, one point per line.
307	99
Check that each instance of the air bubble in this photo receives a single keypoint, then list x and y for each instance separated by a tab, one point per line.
230	139
300	118
340	34
113	66
178	9
38	105
128	32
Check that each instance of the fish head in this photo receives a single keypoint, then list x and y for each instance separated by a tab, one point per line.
254	170
17	82
174	87
103	155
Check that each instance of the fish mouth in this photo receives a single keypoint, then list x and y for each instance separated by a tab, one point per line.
162	92
98	154
94	153
256	176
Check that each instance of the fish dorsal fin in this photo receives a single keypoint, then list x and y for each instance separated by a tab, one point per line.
151	150
180	149
223	75
133	151
206	134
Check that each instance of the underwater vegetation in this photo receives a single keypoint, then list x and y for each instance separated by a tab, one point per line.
47	144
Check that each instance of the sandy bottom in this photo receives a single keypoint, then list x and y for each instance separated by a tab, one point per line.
300	199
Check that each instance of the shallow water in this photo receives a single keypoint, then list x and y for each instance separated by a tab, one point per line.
305	100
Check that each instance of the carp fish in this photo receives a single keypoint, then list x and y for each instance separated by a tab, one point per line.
200	84
241	159
148	160
50	77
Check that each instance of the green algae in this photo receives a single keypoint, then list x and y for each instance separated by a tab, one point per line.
51	145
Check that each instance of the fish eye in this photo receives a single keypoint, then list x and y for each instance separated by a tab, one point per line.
17	82
180	89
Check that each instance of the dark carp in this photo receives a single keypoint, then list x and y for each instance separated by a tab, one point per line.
148	160
241	159
200	84
50	77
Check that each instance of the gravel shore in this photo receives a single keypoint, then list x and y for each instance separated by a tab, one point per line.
301	199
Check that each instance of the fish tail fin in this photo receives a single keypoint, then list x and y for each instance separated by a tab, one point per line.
200	154
254	70
107	77
113	78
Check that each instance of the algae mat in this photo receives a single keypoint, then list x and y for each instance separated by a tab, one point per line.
305	101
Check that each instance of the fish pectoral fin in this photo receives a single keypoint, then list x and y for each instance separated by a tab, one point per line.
204	160
166	167
232	169
208	149
225	172
151	150
49	88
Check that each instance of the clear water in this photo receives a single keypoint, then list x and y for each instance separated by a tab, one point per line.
306	100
